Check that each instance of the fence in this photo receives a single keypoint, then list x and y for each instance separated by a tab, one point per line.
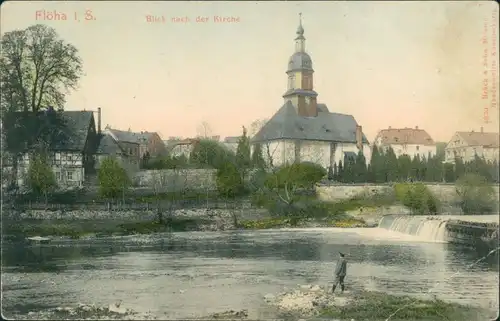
132	206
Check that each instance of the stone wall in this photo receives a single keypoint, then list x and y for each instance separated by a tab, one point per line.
169	180
444	192
475	234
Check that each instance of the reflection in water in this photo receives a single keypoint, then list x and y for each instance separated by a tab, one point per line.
176	275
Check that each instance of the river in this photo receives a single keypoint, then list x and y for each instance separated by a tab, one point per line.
193	274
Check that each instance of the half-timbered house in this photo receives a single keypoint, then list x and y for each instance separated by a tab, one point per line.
71	154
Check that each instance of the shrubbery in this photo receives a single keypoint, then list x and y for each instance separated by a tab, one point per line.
295	176
475	194
40	177
113	179
229	181
417	197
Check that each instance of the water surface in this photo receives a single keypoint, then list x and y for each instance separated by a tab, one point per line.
181	275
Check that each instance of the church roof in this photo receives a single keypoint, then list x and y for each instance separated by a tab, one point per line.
287	124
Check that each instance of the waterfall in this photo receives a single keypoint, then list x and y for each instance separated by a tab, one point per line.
428	228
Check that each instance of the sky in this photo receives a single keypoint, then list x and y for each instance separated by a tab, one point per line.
398	64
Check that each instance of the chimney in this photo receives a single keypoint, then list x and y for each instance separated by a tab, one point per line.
98	120
482	130
416	127
359	137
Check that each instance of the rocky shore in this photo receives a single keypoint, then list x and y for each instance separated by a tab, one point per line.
306	301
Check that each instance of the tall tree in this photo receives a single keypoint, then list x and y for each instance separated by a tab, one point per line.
449	174
459	168
243	159
204	130
377	165
257	158
340	172
434	169
37	69
360	170
349	168
391	166
404	167
415	171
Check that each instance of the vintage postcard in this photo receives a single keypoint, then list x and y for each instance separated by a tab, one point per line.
262	160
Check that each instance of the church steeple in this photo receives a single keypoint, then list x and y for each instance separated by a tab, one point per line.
300	40
300	77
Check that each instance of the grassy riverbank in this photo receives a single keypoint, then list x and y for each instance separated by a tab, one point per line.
78	229
308	211
378	306
289	222
304	211
375	306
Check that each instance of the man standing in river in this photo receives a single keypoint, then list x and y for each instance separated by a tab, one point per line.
340	273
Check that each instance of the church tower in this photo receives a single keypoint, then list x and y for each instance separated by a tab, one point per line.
300	78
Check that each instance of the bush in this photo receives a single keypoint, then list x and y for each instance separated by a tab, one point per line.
476	196
257	179
229	181
113	179
417	197
298	175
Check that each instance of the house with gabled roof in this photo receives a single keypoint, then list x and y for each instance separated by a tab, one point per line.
127	156
406	141
303	129
466	145
149	142
178	146
71	155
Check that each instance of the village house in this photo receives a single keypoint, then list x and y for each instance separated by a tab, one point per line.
406	141
149	142
467	145
177	146
126	154
303	129
71	156
231	143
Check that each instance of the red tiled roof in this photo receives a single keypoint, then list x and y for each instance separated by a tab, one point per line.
405	136
480	139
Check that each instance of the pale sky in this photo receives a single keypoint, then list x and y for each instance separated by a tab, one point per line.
399	64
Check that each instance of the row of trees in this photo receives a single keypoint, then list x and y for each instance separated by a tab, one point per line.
387	167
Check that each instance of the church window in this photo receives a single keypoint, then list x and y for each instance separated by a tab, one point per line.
291	82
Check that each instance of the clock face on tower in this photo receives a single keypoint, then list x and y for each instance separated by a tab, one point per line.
308	100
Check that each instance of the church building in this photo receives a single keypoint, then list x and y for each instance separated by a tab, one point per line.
303	130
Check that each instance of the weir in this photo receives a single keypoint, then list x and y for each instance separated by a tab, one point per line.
475	231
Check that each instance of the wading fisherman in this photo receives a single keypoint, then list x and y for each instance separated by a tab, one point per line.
340	272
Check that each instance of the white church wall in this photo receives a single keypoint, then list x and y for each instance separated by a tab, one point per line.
279	152
315	152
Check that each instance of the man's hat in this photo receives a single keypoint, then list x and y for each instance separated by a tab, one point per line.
342	254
